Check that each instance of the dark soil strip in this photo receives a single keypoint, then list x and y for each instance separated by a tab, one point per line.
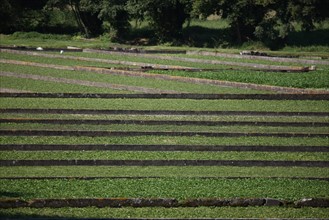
106	147
172	96
78	82
172	78
170	122
153	133
160	112
160	202
154	177
244	163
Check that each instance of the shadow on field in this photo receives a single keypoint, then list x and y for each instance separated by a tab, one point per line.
197	36
5	194
309	38
5	215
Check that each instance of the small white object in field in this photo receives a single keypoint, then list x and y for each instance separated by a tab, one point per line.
39	48
313	68
61	52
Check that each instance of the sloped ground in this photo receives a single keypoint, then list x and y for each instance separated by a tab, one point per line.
227	157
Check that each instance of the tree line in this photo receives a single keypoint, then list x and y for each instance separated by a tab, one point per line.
269	21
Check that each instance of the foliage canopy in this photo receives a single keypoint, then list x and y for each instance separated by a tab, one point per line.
269	21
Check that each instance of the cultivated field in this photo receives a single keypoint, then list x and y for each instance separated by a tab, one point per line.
122	134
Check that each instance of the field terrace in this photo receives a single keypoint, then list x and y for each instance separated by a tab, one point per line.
186	135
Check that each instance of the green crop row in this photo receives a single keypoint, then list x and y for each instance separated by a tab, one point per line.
240	60
167	117
118	57
197	140
201	212
289	189
163	171
141	155
163	128
316	79
152	59
43	86
167	104
55	61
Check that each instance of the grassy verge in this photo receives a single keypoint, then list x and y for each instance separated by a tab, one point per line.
287	189
201	212
171	171
11	40
57	42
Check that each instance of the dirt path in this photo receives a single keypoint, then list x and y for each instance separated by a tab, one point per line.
85	83
8	90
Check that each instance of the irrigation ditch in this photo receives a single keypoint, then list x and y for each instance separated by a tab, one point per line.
172	96
96	133
164	122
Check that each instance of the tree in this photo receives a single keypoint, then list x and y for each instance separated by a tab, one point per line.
85	12
243	15
166	16
7	17
115	14
269	21
20	15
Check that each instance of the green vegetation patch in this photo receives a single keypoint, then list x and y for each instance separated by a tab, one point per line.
141	155
164	128
116	79
287	189
200	212
163	171
167	104
167	140
167	117
313	79
54	61
44	86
